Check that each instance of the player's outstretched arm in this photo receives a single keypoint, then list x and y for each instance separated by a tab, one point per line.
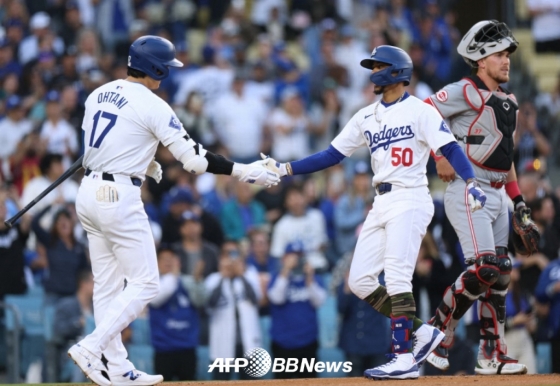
197	160
459	161
318	161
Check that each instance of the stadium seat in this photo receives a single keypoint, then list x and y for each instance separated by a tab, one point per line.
142	355
29	319
203	360
544	365
140	331
328	323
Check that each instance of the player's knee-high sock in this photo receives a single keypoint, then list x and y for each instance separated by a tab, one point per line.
403	321
381	301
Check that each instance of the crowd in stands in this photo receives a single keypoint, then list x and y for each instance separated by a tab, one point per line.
267	76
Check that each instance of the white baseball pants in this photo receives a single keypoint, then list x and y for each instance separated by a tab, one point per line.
390	240
121	246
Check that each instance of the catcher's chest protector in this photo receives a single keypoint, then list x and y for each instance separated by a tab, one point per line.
489	142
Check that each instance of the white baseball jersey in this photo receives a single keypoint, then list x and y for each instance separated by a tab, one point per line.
399	136
123	124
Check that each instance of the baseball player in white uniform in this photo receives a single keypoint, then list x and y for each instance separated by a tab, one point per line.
399	130
123	123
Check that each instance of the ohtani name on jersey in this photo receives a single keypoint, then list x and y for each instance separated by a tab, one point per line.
388	136
112	97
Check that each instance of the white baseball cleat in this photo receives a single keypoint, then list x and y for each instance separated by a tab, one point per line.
439	358
136	378
402	366
426	339
494	366
90	364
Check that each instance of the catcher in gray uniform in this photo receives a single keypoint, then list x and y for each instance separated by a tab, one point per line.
483	116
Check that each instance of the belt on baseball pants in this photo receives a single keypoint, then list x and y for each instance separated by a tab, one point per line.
497	184
109	177
383	188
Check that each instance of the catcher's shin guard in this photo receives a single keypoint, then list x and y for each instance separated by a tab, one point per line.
492	313
463	293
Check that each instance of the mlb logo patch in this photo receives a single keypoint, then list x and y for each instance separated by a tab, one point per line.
443	127
174	123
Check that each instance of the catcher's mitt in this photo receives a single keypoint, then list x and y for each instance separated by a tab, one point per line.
526	237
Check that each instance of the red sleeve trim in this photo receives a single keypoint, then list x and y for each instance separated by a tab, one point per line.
512	189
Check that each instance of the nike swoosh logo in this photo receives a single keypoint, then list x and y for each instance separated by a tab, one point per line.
367	116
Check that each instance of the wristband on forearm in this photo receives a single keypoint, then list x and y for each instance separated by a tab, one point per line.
512	190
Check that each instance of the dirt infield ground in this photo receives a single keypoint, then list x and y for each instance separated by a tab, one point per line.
467	380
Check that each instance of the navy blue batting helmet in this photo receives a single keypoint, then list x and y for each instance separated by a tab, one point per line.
400	69
153	56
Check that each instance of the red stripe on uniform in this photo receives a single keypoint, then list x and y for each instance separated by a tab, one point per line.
469	219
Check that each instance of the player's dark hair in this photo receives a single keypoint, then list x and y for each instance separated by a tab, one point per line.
47	160
135	73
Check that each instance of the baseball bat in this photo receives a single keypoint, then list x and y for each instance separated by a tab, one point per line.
67	174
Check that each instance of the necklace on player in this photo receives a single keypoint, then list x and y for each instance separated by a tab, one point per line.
377	105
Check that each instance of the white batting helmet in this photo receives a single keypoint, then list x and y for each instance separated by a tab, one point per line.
484	39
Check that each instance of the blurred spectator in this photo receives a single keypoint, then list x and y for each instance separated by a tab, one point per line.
197	125
273	201
89	50
550	102
12	260
290	125
30	46
72	23
330	69
113	19
294	295
324	116
13	128
25	162
352	208
8	64
181	200
209	81
303	224
237	116
348	52
290	77
174	321
259	84
547	293
520	325
266	14
430	275
65	256
434	39
192	250
260	258
364	332
530	143
543	214
70	318
51	169
56	132
233	297
545	25
242	213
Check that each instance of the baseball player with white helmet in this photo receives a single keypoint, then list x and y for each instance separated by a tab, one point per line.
123	124
483	117
399	130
